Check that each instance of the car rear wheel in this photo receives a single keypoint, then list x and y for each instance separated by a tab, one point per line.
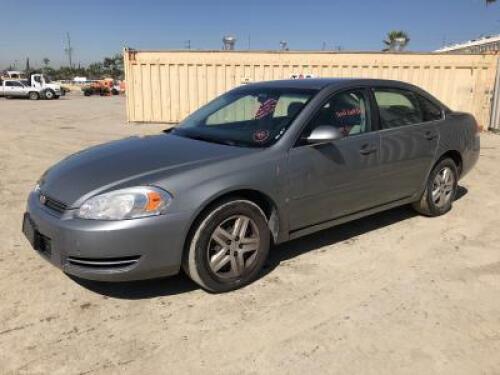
229	246
440	189
34	96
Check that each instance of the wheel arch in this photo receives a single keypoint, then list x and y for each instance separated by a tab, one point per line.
262	200
455	156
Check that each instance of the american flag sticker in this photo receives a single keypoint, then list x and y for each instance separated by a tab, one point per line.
266	108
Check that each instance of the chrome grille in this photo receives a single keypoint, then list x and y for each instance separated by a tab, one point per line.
52	204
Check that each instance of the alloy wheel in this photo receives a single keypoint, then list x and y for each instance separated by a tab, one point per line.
233	247
443	187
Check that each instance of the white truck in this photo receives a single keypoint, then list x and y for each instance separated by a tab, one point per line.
42	84
12	88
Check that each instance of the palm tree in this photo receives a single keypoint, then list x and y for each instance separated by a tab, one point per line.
46	61
396	40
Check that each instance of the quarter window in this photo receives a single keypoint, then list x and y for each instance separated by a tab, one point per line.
430	110
398	108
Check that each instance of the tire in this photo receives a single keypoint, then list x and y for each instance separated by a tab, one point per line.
221	263
34	95
440	189
57	97
49	94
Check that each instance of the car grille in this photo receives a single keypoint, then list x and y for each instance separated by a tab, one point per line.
104	262
53	204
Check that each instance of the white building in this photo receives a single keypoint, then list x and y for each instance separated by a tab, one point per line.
488	44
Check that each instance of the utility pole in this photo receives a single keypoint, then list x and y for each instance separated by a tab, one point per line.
188	44
69	50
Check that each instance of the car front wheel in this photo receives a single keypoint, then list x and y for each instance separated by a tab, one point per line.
49	94
440	189
229	246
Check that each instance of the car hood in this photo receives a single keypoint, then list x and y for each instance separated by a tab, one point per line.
128	161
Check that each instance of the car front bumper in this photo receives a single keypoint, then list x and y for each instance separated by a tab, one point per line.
107	250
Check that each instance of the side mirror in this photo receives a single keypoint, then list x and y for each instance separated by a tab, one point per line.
323	134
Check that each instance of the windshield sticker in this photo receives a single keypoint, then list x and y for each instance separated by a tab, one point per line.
266	108
261	136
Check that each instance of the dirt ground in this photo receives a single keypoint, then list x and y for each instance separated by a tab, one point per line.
392	293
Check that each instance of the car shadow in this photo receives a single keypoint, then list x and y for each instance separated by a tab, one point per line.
144	289
334	235
461	192
180	283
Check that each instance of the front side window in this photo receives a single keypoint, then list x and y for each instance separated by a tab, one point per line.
346	111
398	108
249	118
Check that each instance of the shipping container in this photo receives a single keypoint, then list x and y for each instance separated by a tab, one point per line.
166	86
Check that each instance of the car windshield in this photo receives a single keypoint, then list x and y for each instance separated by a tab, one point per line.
249	117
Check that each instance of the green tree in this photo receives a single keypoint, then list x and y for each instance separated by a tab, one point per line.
95	71
396	40
46	61
113	66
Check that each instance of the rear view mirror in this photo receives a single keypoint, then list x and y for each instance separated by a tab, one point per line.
323	134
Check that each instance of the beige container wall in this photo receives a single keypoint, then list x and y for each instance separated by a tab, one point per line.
167	86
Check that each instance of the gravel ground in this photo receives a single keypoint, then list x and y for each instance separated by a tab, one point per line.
392	293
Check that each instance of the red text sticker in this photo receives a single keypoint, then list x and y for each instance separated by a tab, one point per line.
348	112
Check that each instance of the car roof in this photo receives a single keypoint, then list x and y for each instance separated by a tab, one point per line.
321	83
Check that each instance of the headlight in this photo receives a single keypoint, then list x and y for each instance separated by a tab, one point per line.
127	203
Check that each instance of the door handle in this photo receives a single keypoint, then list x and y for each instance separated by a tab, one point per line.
367	149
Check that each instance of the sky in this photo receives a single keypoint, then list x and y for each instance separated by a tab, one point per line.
38	29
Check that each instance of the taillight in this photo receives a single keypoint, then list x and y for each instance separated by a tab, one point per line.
478	128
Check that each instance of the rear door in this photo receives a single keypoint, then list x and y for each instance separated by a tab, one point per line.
332	180
409	140
9	89
17	89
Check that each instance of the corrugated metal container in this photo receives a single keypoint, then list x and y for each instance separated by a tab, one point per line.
495	111
166	86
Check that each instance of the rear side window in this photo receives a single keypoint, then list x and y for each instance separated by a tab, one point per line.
398	108
430	110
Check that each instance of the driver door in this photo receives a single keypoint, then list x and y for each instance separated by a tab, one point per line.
328	181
